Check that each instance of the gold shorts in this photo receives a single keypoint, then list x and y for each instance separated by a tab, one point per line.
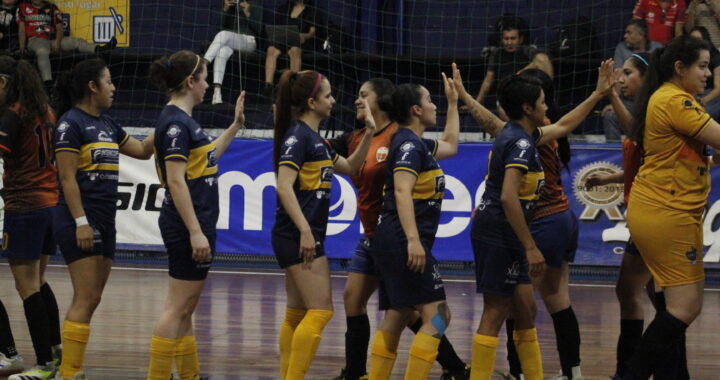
670	242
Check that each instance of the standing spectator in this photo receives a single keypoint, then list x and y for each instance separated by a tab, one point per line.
665	18
710	98
8	29
512	58
241	26
705	13
40	30
635	40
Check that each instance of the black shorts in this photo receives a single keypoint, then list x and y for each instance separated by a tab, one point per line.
556	236
28	235
182	266
401	287
499	270
287	251
65	235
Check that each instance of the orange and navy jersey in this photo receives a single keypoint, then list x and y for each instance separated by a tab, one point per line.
513	148
97	141
676	170
632	159
304	150
552	197
179	137
411	154
30	179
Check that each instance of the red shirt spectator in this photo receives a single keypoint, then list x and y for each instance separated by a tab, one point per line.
664	18
39	22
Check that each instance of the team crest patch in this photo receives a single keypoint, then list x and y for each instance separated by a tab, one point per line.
63	126
408	146
381	154
688	103
523	144
291	141
692	255
173	131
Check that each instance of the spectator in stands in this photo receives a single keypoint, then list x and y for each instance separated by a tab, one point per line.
665	18
40	30
513	57
305	16
710	98
635	41
8	26
241	26
705	13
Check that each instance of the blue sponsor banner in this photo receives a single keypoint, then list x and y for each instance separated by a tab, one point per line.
248	202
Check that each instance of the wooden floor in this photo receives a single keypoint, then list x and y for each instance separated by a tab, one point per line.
239	314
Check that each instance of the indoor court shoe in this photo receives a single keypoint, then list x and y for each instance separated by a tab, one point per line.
344	376
217	96
78	376
10	365
463	374
38	372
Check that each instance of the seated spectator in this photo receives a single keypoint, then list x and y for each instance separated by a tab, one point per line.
664	18
705	13
511	58
710	98
8	26
306	17
241	28
40	30
635	41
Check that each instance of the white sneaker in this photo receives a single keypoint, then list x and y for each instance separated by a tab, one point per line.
217	96
11	365
78	376
38	372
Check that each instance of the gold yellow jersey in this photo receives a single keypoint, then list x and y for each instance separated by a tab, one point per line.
675	172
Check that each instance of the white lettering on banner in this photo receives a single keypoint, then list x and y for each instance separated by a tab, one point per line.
348	202
459	202
253	198
712	238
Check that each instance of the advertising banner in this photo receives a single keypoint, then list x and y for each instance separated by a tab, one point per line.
97	21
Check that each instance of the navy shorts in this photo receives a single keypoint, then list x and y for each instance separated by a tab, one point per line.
556	236
361	260
28	235
401	287
630	248
65	235
181	264
287	251
499	270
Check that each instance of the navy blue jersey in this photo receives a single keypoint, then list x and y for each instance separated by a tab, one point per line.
179	137
305	151
513	148
411	154
97	141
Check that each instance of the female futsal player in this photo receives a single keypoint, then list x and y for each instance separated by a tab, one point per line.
87	142
186	159
30	194
305	164
401	247
370	179
670	192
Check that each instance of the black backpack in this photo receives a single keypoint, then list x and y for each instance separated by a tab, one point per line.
576	39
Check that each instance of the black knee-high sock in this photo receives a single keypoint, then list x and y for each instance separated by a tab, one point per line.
447	357
51	307
657	344
512	355
674	368
567	335
357	339
38	325
631	331
7	343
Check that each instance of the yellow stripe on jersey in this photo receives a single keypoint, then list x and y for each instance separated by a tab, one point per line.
67	150
427	185
516	166
85	162
530	188
198	162
127	137
289	163
335	158
176	156
404	169
311	174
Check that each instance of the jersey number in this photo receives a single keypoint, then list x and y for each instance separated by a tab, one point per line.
44	156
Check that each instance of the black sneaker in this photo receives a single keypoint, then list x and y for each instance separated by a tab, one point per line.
345	376
463	374
107	47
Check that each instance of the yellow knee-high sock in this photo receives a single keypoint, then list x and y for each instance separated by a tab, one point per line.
162	351
528	349
287	329
186	358
74	338
383	354
423	351
305	342
483	356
